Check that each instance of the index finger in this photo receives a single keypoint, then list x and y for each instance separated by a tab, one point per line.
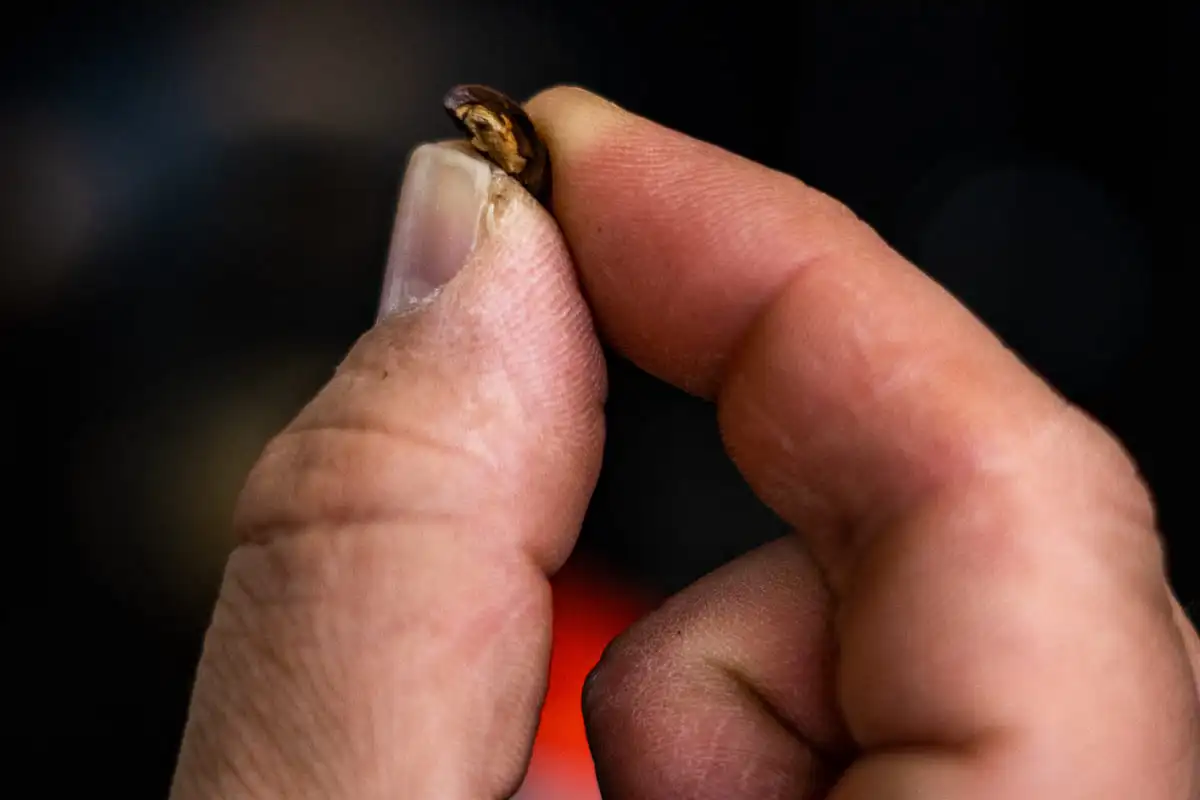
700	265
977	530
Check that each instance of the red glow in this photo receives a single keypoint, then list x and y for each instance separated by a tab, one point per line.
589	610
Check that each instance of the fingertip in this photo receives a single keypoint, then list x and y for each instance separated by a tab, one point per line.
578	126
677	242
570	115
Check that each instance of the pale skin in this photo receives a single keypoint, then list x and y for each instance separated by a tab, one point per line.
974	604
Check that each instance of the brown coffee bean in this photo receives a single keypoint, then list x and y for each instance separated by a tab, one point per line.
499	129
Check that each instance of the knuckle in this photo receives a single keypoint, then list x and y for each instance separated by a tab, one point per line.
1068	464
1064	444
338	476
617	676
631	673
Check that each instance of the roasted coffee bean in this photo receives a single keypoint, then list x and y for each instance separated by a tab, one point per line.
499	129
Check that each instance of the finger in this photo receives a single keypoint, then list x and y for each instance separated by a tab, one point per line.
383	630
701	266
726	691
992	551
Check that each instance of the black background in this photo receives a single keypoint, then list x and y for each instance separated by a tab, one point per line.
195	212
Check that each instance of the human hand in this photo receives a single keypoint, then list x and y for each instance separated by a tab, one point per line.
974	606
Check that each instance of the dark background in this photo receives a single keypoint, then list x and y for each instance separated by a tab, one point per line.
196	206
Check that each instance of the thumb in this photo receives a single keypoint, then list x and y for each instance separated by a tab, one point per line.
383	629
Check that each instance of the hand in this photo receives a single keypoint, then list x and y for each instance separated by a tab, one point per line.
974	606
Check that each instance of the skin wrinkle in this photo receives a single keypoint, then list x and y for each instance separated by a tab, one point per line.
239	661
408	434
480	409
281	512
743	684
778	481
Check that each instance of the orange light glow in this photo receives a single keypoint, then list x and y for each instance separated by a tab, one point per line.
589	610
